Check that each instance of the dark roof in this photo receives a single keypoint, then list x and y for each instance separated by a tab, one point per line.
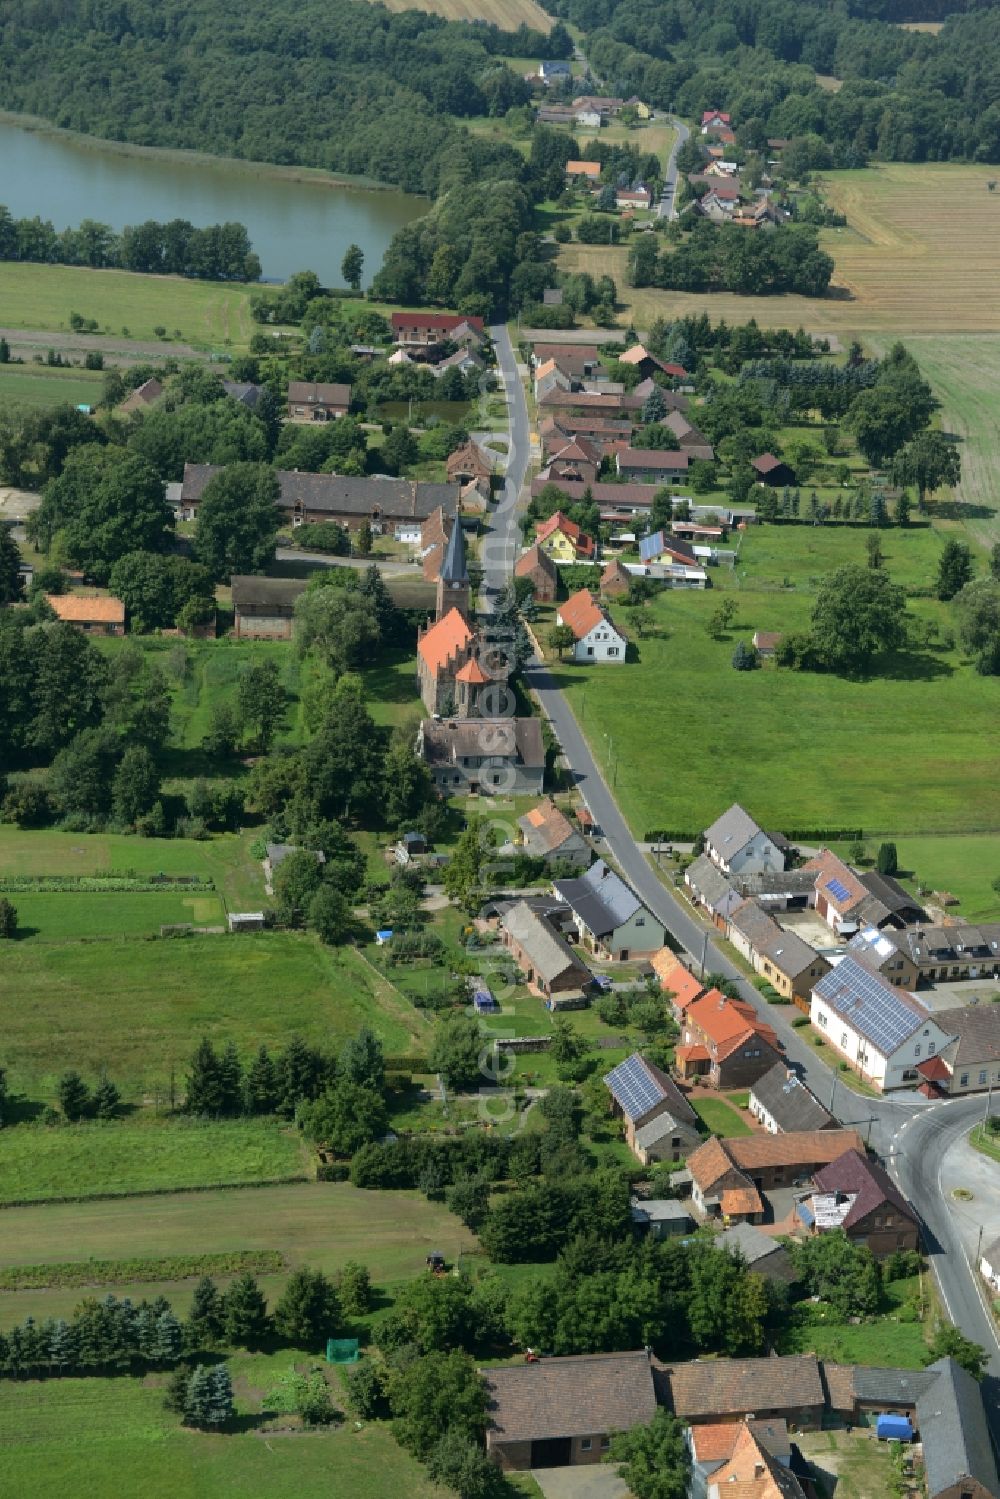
788	1101
600	898
275	596
516	739
885	1016
725	1386
244	392
396	499
563	1397
855	1173
890	892
454	568
954	1432
639	1086
548	951
318	393
752	1244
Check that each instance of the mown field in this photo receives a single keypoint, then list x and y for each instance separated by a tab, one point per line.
910	751
137	1007
203	313
308	1223
507	14
59	917
112	1439
151	1155
37	385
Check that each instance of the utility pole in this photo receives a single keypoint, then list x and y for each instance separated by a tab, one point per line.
704	955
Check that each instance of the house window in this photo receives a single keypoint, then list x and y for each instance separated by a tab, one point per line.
821	1019
843	1038
605	1443
586	1443
931	1048
963	1081
982	1078
612	650
916	1050
640	921
590	650
496	780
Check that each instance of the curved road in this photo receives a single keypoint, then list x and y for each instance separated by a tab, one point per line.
668	201
908	1133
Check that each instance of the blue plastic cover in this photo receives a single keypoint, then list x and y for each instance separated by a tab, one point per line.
894	1429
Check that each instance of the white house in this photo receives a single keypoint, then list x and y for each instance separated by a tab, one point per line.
738	845
883	1033
989	1265
597	638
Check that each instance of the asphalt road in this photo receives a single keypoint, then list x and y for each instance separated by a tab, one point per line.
668	202
502	542
909	1133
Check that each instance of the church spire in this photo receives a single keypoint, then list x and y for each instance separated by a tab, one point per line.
453	579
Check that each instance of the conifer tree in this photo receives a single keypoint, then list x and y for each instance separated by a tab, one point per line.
244	1313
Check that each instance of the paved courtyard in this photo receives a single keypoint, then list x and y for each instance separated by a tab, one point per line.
583	1481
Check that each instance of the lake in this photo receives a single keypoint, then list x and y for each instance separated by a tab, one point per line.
293	225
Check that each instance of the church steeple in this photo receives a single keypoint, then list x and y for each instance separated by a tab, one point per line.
453	579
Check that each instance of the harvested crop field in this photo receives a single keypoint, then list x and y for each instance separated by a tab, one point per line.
507	14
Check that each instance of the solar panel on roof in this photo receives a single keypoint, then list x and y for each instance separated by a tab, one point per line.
875	1010
633	1087
838	889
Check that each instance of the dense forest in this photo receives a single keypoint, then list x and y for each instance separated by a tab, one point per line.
219	252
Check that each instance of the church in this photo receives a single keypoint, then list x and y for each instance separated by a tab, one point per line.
451	654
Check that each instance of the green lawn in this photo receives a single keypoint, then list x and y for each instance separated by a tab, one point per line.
138	1007
965	866
48	918
207	314
884	1341
307	1223
911	751
774	556
37	385
40	1163
719	1117
112	1439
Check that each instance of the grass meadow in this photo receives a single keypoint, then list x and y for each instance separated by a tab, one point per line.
508	15
112	1439
307	1223
965	865
150	1155
59	917
37	385
720	1118
205	314
137	1008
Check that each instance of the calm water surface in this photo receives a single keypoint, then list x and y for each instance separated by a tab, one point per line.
293	226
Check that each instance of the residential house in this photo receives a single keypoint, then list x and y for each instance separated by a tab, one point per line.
719	204
590	170
879	952
550	378
738	844
616	501
855	1194
783	1104
639	357
772	471
714	120
762	1253
692	442
712	890
642	109
615	580
596	636
396	507
660	1218
547	962
957	950
466	361
651	465
264	608
428	327
989	1265
484	756
91	614
244	392
713	1444
609	917
537	565
554	71
728	1176
843	901
582	361
142	398
766	642
312	401
788	963
882	1032
749	927
753	1473
606	107
588	119
972	1058
468	463
560	1411
563	540
660	1124
633	198
547	833
275	855
591	402
788	1388
724	1043
677	982
661	548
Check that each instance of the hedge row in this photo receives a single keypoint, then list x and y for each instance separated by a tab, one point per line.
122	1272
101	884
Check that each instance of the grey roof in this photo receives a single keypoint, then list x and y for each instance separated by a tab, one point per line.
277	853
707	881
753	1245
891	1386
788	1101
600	898
665	1124
274	596
788	952
638	1086
774	881
732	831
953	1430
454	568
889	891
753	922
658	1210
318	393
549	953
959	942
515	739
885	1016
244	392
395	499
584	1395
978	1030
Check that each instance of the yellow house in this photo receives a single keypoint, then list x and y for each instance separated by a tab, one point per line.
563	540
642	109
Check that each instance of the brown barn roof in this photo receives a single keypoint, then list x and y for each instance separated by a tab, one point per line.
721	1387
563	1397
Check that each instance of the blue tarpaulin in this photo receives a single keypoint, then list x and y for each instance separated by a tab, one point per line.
893	1429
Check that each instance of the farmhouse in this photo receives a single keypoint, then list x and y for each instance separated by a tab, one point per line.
537	565
609	917
311	401
753	1473
633	198
264	608
396	507
725	1043
882	1032
546	960
855	1194
91	615
788	963
596	636
547	833
758	1163
651	465
956	951
737	844
713	1445
730	1389
560	1411
782	1103
428	327
484	756
660	1124
711	890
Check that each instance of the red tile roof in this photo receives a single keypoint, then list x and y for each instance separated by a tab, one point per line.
472	672
79	609
582	613
682	984
728	1023
559	522
443	640
445	322
693	1053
